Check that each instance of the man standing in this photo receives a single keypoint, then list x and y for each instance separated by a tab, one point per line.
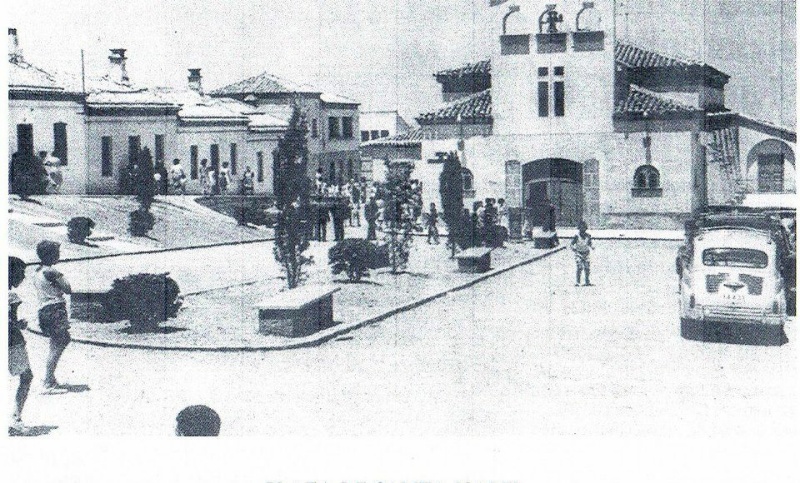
322	222
433	231
371	216
177	177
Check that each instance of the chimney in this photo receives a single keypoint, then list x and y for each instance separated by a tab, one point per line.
117	71
14	53
196	81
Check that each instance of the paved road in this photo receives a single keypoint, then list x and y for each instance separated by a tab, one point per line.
523	354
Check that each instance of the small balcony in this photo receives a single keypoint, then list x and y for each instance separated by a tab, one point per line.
551	43
515	44
588	41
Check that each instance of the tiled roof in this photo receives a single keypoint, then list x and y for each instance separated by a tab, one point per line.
476	108
410	138
483	67
336	99
263	83
640	101
625	53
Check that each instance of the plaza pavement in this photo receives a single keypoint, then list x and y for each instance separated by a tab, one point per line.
525	353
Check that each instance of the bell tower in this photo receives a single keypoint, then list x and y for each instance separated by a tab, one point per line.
553	70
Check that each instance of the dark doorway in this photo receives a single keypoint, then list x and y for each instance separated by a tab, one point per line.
770	173
25	139
555	182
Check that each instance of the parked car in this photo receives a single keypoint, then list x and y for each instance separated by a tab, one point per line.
734	277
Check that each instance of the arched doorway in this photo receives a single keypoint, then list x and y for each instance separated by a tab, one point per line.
557	182
770	158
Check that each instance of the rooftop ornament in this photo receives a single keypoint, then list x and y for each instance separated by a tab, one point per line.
578	27
551	18
511	10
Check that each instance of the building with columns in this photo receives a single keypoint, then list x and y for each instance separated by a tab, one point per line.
607	131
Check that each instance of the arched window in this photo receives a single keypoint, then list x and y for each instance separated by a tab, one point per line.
469	186
646	181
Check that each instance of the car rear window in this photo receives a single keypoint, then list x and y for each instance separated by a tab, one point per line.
734	257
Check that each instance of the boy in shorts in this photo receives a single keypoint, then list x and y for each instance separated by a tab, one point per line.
582	246
18	364
53	317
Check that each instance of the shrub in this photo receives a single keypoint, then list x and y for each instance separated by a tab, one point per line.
141	222
79	228
355	257
144	299
28	175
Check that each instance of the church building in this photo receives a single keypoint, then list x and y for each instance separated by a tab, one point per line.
607	131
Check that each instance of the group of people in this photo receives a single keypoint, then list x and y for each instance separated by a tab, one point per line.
51	288
487	224
53	319
214	180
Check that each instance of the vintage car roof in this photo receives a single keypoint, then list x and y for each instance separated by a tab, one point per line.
744	219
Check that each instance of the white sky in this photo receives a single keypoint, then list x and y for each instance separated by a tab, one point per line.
383	52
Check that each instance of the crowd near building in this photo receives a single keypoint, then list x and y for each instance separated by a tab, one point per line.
95	126
566	114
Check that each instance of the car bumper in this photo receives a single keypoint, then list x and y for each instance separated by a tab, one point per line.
739	315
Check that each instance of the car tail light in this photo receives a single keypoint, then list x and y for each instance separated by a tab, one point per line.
713	282
755	285
776	307
691	301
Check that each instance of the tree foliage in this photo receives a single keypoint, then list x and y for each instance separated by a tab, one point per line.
28	175
451	188
402	202
355	257
292	189
144	299
141	176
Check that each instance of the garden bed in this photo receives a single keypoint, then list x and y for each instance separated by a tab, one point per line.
228	318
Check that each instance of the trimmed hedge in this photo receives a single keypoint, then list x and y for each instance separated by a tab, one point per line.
356	257
144	299
79	228
141	222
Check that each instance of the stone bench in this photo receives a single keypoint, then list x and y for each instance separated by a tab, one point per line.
475	260
298	312
89	303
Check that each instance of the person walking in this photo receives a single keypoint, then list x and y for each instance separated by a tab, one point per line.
355	194
248	184
177	177
203	175
224	178
18	362
371	217
53	167
51	286
581	245
338	212
503	219
433	231
322	222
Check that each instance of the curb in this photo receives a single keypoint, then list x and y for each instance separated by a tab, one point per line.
326	335
158	250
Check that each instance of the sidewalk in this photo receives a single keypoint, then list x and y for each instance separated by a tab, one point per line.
619	234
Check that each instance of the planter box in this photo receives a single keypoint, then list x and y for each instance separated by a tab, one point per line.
475	260
90	305
515	44
551	43
588	41
298	312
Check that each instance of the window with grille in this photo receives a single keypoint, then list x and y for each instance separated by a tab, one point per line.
60	142
234	158
106	160
194	166
260	174
347	127
159	147
646	182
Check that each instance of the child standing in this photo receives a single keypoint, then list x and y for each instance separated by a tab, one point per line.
53	318
433	231
581	245
18	363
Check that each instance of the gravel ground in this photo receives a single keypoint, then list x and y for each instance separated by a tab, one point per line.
179	223
526	354
227	317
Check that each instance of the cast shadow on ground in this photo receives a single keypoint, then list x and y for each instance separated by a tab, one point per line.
87	244
75	387
33	431
167	329
362	281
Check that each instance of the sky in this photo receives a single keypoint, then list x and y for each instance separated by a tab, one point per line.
383	52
